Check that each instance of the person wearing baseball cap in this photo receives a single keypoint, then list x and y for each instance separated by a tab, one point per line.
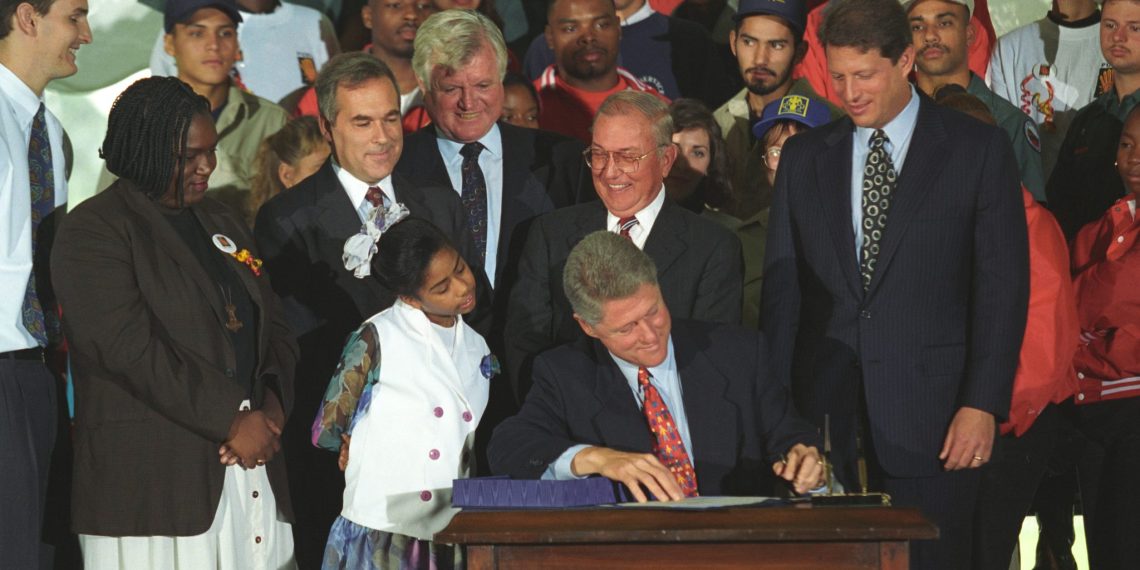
767	42
942	35
202	37
783	118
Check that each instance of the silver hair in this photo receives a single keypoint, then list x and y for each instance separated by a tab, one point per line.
602	267
450	38
645	104
348	70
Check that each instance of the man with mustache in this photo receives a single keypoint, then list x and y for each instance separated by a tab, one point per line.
1085	183
301	234
585	36
942	32
38	44
393	25
768	41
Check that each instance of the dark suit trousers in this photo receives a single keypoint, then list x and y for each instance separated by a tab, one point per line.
1009	483
27	433
1112	521
946	498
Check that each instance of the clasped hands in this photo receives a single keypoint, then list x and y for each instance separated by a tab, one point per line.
254	436
801	466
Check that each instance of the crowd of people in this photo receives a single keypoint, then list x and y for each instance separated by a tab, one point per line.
661	242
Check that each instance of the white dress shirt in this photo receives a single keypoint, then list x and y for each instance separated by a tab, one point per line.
645	219
18	107
356	189
641	14
491	162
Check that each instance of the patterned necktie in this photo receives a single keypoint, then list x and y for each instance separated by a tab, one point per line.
375	196
669	447
42	181
878	187
625	225
474	197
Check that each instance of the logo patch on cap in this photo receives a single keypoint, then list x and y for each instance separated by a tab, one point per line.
794	105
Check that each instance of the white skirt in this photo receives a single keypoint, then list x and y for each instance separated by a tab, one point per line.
245	535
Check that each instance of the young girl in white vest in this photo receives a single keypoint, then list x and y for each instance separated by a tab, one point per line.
404	402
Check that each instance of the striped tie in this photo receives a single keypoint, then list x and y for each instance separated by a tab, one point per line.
625	225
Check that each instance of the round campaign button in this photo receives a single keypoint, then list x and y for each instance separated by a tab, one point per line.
224	243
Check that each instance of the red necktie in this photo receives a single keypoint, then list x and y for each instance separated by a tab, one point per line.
626	224
375	196
669	448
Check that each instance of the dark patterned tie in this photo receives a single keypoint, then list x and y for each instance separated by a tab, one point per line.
42	181
878	187
474	197
668	445
374	196
625	225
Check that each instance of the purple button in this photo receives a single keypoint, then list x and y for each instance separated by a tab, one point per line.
467	416
425	496
433	454
438	412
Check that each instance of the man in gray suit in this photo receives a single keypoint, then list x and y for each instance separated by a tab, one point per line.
698	262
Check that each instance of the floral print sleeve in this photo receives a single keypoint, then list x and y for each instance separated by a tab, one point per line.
349	393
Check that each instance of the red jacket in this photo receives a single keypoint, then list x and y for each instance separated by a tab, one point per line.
1106	276
1045	369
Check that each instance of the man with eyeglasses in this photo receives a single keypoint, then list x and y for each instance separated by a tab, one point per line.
698	261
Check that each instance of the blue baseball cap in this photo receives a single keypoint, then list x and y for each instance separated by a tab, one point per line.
791	11
804	110
178	11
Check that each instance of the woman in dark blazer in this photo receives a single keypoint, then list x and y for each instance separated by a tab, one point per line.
181	356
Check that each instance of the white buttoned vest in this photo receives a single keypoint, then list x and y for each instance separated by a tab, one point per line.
417	434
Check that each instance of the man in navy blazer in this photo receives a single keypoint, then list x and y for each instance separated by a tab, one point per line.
896	279
584	415
301	235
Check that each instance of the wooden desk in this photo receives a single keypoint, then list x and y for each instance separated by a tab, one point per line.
779	537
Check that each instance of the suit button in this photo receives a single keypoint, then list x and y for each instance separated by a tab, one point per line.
438	411
425	496
467	416
229	373
433	454
865	314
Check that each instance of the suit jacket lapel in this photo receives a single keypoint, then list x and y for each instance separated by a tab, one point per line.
711	417
922	164
833	175
215	223
523	197
338	219
590	219
172	243
619	420
664	244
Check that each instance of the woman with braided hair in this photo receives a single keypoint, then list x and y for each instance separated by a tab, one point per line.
180	353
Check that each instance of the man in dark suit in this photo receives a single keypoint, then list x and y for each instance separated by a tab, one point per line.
896	279
705	417
698	261
301	235
525	172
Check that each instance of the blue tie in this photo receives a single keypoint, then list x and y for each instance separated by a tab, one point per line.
42	182
474	197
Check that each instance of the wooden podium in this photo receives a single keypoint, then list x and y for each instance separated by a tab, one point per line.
835	538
